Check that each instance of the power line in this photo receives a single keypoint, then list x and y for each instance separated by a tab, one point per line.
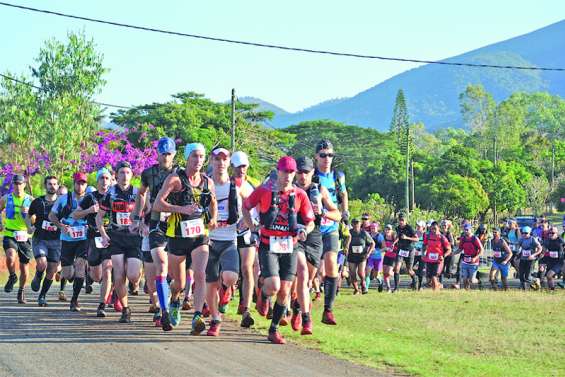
279	47
45	90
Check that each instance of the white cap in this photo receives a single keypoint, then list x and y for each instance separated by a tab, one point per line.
239	158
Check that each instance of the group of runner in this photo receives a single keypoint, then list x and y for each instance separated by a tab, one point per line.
195	236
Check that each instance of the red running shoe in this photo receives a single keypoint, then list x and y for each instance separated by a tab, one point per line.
240	308
328	318
262	306
276	338
118	305
214	329
225	296
296	321
306	328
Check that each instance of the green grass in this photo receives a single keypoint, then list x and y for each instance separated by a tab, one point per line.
451	333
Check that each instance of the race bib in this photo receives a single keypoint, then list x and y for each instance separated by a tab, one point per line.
145	244
357	249
77	232
123	218
403	253
192	228
280	245
497	254
526	253
98	242
467	259
21	236
433	256
326	222
163	216
48	226
513	247
554	254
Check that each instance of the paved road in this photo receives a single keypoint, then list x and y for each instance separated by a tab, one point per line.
53	341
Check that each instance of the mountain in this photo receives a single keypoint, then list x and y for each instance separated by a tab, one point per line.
264	105
432	91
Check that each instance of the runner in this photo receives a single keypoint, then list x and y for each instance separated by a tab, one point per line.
153	229
448	261
222	270
471	250
99	258
502	255
365	222
529	249
390	256
245	243
279	204
74	242
310	250
122	238
46	239
16	236
553	256
512	238
375	261
360	248
419	252
189	196
334	182
62	281
405	237
436	248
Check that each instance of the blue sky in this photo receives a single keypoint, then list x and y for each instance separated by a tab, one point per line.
147	67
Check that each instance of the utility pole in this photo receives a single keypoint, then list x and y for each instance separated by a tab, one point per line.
233	120
495	160
412	184
407	188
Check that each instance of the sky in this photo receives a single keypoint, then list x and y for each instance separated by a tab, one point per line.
149	67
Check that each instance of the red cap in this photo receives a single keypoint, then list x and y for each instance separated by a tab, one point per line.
287	164
80	177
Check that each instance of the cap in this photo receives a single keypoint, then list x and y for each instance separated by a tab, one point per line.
305	164
401	216
467	226
166	145
18	178
324	144
239	158
216	151
526	229
354	220
388	226
286	163
80	177
122	164
102	172
421	223
496	229
365	216
189	148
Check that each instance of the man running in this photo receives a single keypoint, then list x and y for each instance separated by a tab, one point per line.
245	242
405	237
154	227
472	248
436	248
334	182
188	195
309	250
279	204
74	242
122	238
222	270
501	256
419	252
553	248
360	248
46	239
99	258
529	249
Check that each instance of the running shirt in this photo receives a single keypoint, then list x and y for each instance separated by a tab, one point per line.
15	214
261	198
471	247
499	253
88	201
528	246
153	178
44	229
359	242
379	240
390	248
437	245
408	231
328	181
553	249
121	204
513	239
419	245
78	230
225	231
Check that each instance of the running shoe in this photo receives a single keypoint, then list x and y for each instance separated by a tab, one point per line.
225	296
262	305
247	320
214	329
126	315
380	287
276	338
145	288
21	296
186	304
175	313
166	321
270	311
133	290
296	321
240	309
153	308
284	320
35	284
101	311
328	317
198	325
317	296
74	307
306	328
57	276
88	289
62	296
157	318
205	311
118	307
9	287
41	301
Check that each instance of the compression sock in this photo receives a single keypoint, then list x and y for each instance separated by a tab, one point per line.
330	289
45	287
278	312
368	282
162	288
63	284
396	280
77	286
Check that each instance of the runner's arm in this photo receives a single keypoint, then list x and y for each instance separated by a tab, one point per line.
332	212
172	183
213	205
140	202
508	251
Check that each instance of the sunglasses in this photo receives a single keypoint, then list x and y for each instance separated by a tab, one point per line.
303	171
324	155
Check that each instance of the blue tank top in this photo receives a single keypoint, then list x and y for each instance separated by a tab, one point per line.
328	181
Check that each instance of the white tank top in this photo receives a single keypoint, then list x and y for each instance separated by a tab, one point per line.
224	232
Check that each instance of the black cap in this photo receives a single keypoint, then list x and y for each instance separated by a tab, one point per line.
18	178
365	216
324	144
355	220
305	164
123	164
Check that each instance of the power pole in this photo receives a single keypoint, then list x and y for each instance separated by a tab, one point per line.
494	210
412	184
233	120
407	188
